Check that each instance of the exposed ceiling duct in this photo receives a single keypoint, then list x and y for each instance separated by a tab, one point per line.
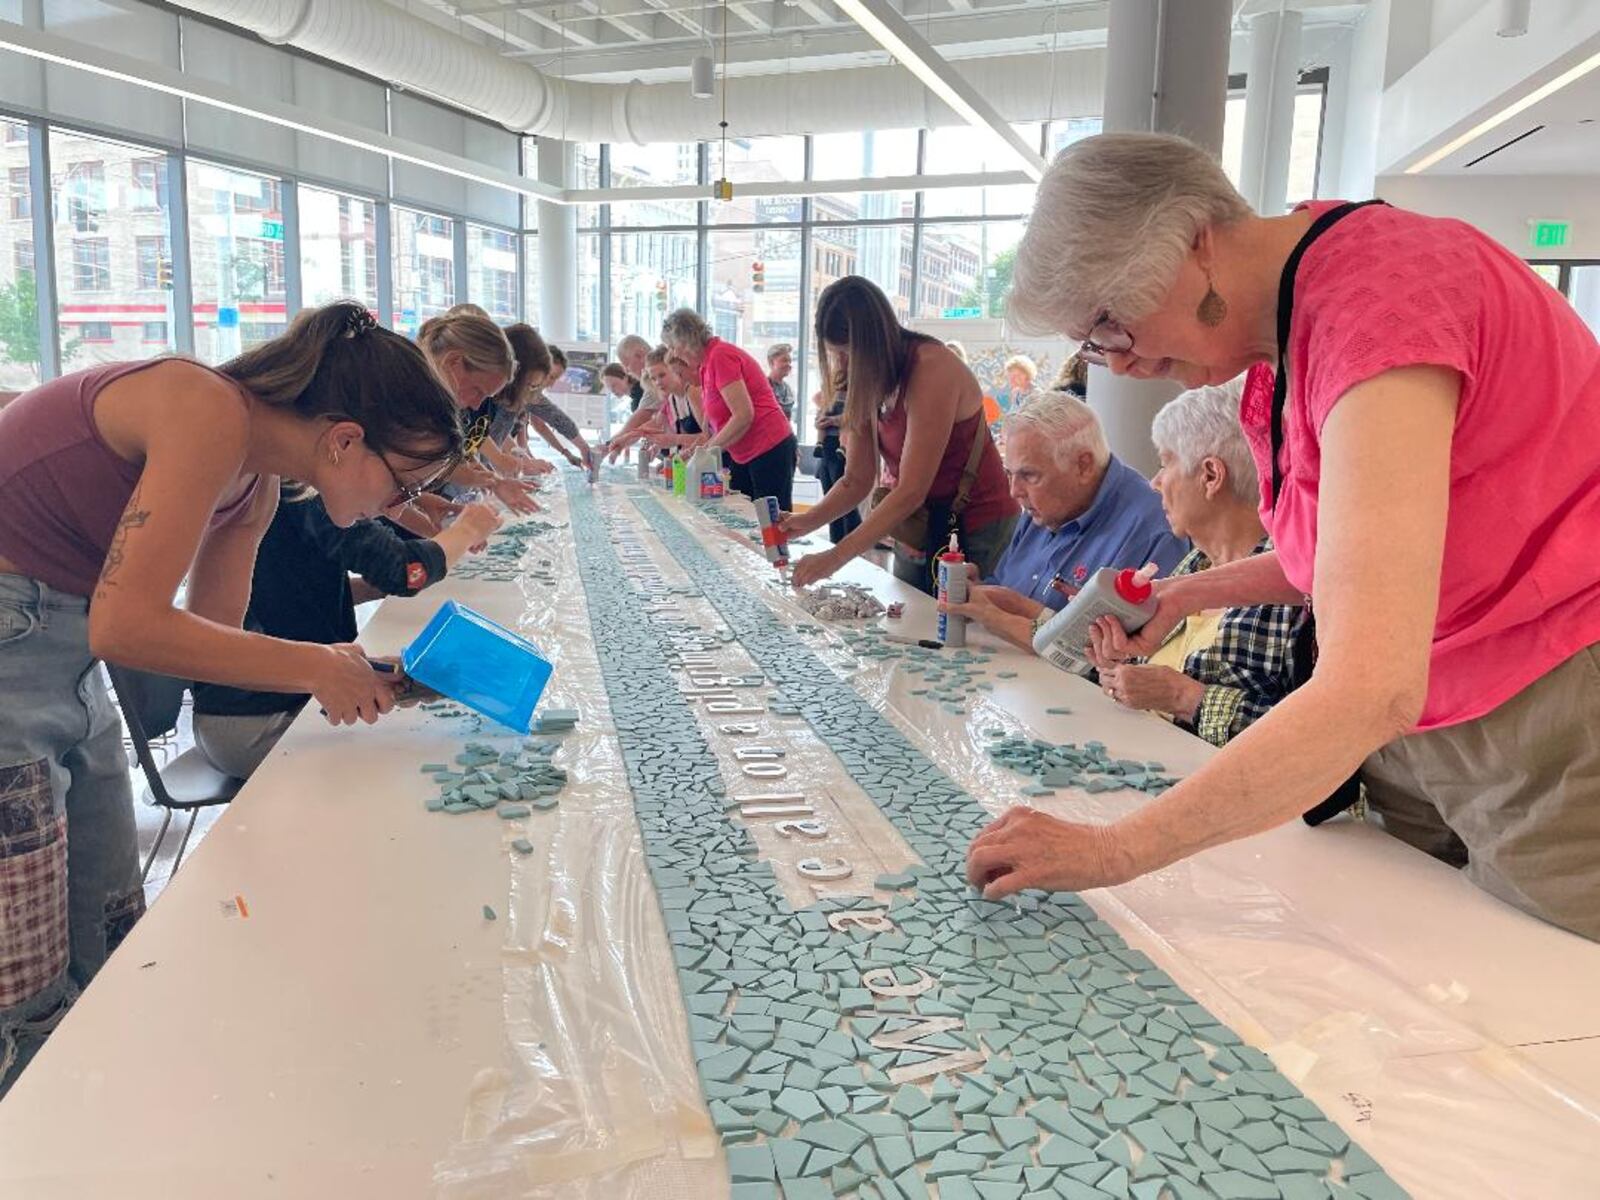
391	44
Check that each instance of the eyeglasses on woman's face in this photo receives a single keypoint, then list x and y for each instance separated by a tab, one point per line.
407	493
1106	337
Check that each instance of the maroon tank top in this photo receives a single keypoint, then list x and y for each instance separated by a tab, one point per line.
990	499
62	488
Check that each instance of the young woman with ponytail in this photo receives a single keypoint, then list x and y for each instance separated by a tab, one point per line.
116	484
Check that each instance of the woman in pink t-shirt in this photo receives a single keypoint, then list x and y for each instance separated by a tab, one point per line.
1424	412
742	414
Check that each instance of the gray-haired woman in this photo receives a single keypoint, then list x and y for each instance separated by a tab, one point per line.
1442	523
743	416
1220	669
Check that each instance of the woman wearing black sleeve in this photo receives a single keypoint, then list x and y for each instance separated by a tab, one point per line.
302	590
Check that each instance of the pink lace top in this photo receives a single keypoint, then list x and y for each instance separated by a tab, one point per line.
1520	584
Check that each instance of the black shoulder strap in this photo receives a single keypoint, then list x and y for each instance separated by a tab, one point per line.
1280	388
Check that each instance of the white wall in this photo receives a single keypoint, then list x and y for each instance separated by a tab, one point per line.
1410	37
1502	206
1450	15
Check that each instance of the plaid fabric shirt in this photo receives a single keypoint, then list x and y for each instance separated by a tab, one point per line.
1246	670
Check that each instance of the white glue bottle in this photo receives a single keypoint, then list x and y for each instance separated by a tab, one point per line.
1063	640
953	567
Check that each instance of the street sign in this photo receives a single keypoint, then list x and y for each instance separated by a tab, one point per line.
962	314
272	229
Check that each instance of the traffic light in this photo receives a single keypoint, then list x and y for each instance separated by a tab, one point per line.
661	294
164	274
758	276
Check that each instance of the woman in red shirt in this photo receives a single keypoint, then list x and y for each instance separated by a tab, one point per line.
740	409
1423	411
912	403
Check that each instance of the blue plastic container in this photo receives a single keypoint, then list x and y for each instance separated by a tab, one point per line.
469	658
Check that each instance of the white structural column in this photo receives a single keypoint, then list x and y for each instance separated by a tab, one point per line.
1269	109
558	245
1369	55
1166	72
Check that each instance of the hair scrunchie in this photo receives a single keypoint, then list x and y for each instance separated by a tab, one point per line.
359	321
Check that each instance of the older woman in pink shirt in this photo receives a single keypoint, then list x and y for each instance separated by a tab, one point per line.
1424	413
741	413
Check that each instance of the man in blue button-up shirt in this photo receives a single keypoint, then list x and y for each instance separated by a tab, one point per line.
1082	509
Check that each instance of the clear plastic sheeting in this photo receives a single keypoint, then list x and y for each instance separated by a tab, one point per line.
1289	938
597	1097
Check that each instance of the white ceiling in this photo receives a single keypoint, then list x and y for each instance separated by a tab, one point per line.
1568	143
615	41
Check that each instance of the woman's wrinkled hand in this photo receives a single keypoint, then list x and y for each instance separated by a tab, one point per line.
1025	848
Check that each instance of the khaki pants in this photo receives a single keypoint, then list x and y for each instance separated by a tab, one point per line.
1512	797
236	746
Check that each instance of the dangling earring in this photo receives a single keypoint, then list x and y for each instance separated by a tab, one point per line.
1213	308
334	454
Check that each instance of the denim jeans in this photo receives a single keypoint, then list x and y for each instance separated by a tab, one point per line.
69	856
830	469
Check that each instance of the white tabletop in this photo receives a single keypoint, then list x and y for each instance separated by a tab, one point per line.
349	1035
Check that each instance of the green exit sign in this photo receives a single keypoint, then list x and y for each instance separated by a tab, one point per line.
1549	235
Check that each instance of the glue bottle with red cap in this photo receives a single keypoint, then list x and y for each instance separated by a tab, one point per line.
1063	640
953	567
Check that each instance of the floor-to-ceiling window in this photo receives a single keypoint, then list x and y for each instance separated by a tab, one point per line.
1579	281
236	259
98	237
1584	292
492	271
113	234
20	355
338	247
1305	146
423	247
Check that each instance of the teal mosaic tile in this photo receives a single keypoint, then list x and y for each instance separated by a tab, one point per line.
1093	1067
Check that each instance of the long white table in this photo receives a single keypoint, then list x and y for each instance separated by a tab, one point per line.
355	1034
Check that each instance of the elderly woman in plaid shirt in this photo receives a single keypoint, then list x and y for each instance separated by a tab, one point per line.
1221	669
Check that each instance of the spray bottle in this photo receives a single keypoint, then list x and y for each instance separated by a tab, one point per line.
1126	595
953	574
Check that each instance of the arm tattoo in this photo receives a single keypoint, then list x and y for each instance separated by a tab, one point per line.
133	517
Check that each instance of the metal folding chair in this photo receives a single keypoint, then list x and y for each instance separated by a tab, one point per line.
150	707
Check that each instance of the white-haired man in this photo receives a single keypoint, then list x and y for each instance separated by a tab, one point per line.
631	353
1082	509
780	362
